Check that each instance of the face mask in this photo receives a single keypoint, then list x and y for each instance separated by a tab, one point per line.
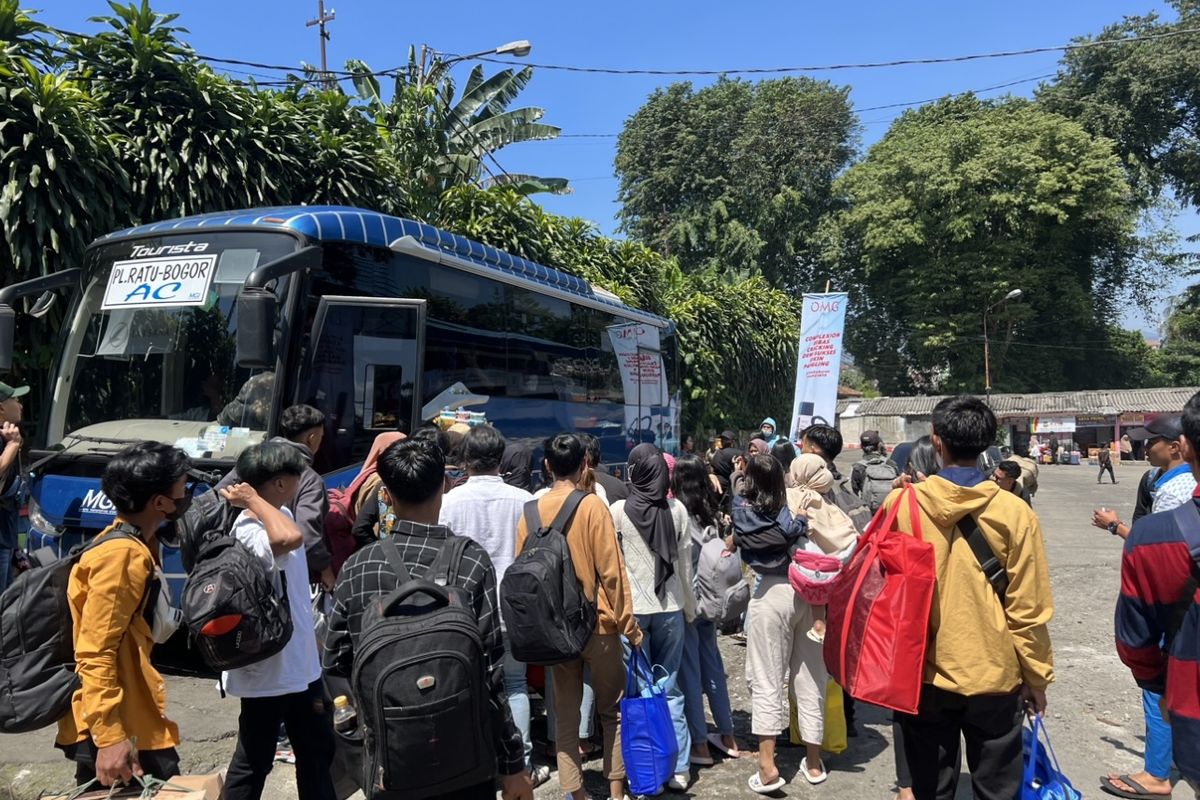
182	504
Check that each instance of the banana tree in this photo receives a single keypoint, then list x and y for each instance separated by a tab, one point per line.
441	141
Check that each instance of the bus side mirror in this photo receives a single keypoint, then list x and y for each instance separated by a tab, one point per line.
255	328
8	326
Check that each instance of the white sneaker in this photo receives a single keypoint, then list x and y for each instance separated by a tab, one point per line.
539	775
679	782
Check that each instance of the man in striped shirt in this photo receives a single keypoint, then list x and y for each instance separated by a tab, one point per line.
1157	617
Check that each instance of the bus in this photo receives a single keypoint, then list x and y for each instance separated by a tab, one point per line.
197	332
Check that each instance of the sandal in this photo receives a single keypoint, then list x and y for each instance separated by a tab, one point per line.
1139	793
756	784
715	740
808	776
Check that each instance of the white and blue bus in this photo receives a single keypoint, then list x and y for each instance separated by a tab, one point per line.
197	332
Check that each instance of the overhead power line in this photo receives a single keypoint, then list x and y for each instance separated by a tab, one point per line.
901	62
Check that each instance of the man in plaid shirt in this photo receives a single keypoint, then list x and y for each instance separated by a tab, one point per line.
413	474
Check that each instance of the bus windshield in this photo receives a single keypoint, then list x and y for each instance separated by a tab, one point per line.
149	347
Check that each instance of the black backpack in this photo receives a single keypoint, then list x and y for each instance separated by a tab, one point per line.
37	651
421	683
211	516
231	606
547	618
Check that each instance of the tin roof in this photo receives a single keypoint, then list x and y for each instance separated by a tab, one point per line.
1093	401
359	226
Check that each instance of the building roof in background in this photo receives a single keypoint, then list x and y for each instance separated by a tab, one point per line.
1096	401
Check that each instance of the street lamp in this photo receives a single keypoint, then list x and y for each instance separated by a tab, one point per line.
518	49
987	352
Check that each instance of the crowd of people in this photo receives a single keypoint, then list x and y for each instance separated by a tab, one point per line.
459	509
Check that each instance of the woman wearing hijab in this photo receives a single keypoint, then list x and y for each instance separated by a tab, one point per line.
766	534
516	466
830	531
655	539
368	476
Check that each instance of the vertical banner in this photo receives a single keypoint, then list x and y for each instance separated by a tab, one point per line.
643	380
819	366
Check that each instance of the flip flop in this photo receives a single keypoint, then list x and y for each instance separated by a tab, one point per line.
1107	785
756	784
714	740
824	776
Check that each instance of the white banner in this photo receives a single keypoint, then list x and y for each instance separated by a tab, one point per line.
1053	424
160	282
820	363
643	381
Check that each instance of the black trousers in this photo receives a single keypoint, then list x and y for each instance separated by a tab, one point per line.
991	726
1109	468
161	764
308	718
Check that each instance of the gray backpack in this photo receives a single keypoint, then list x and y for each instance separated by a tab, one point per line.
722	594
853	505
877	481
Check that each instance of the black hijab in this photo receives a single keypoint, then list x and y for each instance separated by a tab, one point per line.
649	481
516	466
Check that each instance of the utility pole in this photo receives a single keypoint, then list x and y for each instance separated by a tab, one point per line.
319	22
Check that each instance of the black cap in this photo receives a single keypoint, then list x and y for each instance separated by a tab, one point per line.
870	439
1168	426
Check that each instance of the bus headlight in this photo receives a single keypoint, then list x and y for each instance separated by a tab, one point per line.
39	522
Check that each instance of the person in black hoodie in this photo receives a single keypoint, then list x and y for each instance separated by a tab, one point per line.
766	534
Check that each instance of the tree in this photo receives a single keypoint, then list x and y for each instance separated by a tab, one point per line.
961	202
1144	96
438	142
1180	354
734	177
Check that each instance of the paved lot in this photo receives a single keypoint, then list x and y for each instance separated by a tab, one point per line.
1094	716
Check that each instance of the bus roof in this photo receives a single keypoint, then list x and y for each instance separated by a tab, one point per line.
360	226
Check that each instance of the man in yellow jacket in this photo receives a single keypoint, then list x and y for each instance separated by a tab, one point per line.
117	727
989	656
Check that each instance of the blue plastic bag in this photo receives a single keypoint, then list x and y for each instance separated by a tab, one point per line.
1043	780
647	734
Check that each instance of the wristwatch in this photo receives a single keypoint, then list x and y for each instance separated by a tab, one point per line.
1113	526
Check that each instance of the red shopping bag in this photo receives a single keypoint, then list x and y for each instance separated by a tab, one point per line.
877	625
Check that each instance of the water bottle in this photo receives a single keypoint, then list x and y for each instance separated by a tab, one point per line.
345	719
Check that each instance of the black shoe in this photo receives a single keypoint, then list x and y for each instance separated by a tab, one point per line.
851	731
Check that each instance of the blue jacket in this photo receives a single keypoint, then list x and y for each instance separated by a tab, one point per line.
766	543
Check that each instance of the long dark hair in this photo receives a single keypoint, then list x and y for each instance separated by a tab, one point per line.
765	489
922	458
692	487
784	452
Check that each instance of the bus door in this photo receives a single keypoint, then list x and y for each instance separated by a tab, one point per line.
363	371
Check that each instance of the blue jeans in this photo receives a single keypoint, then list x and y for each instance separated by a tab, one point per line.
1158	737
662	642
703	675
8	547
516	689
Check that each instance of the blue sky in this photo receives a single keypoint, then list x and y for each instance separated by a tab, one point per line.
658	35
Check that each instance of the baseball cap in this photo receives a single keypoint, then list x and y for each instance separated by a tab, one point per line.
870	439
7	392
1168	426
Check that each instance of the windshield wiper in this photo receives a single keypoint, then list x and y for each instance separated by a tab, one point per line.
78	440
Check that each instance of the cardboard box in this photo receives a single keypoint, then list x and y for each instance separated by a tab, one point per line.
182	787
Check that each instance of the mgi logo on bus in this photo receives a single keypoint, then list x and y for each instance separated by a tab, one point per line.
160	282
96	502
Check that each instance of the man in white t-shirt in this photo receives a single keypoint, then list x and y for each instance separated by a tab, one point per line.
285	688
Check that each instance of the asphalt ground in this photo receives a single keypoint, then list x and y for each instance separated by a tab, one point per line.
1094	715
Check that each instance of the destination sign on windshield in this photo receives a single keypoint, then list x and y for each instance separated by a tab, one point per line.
160	282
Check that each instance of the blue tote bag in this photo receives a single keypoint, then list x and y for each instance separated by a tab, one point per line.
1043	780
647	733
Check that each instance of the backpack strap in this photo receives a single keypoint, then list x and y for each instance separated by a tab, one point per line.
993	570
444	569
392	553
562	521
533	519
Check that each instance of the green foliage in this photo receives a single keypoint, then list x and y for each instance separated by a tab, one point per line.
1180	354
1144	96
734	177
965	200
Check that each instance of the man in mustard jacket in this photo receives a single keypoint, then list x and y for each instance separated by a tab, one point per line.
117	727
989	656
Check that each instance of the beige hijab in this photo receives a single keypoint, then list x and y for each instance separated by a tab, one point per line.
828	525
